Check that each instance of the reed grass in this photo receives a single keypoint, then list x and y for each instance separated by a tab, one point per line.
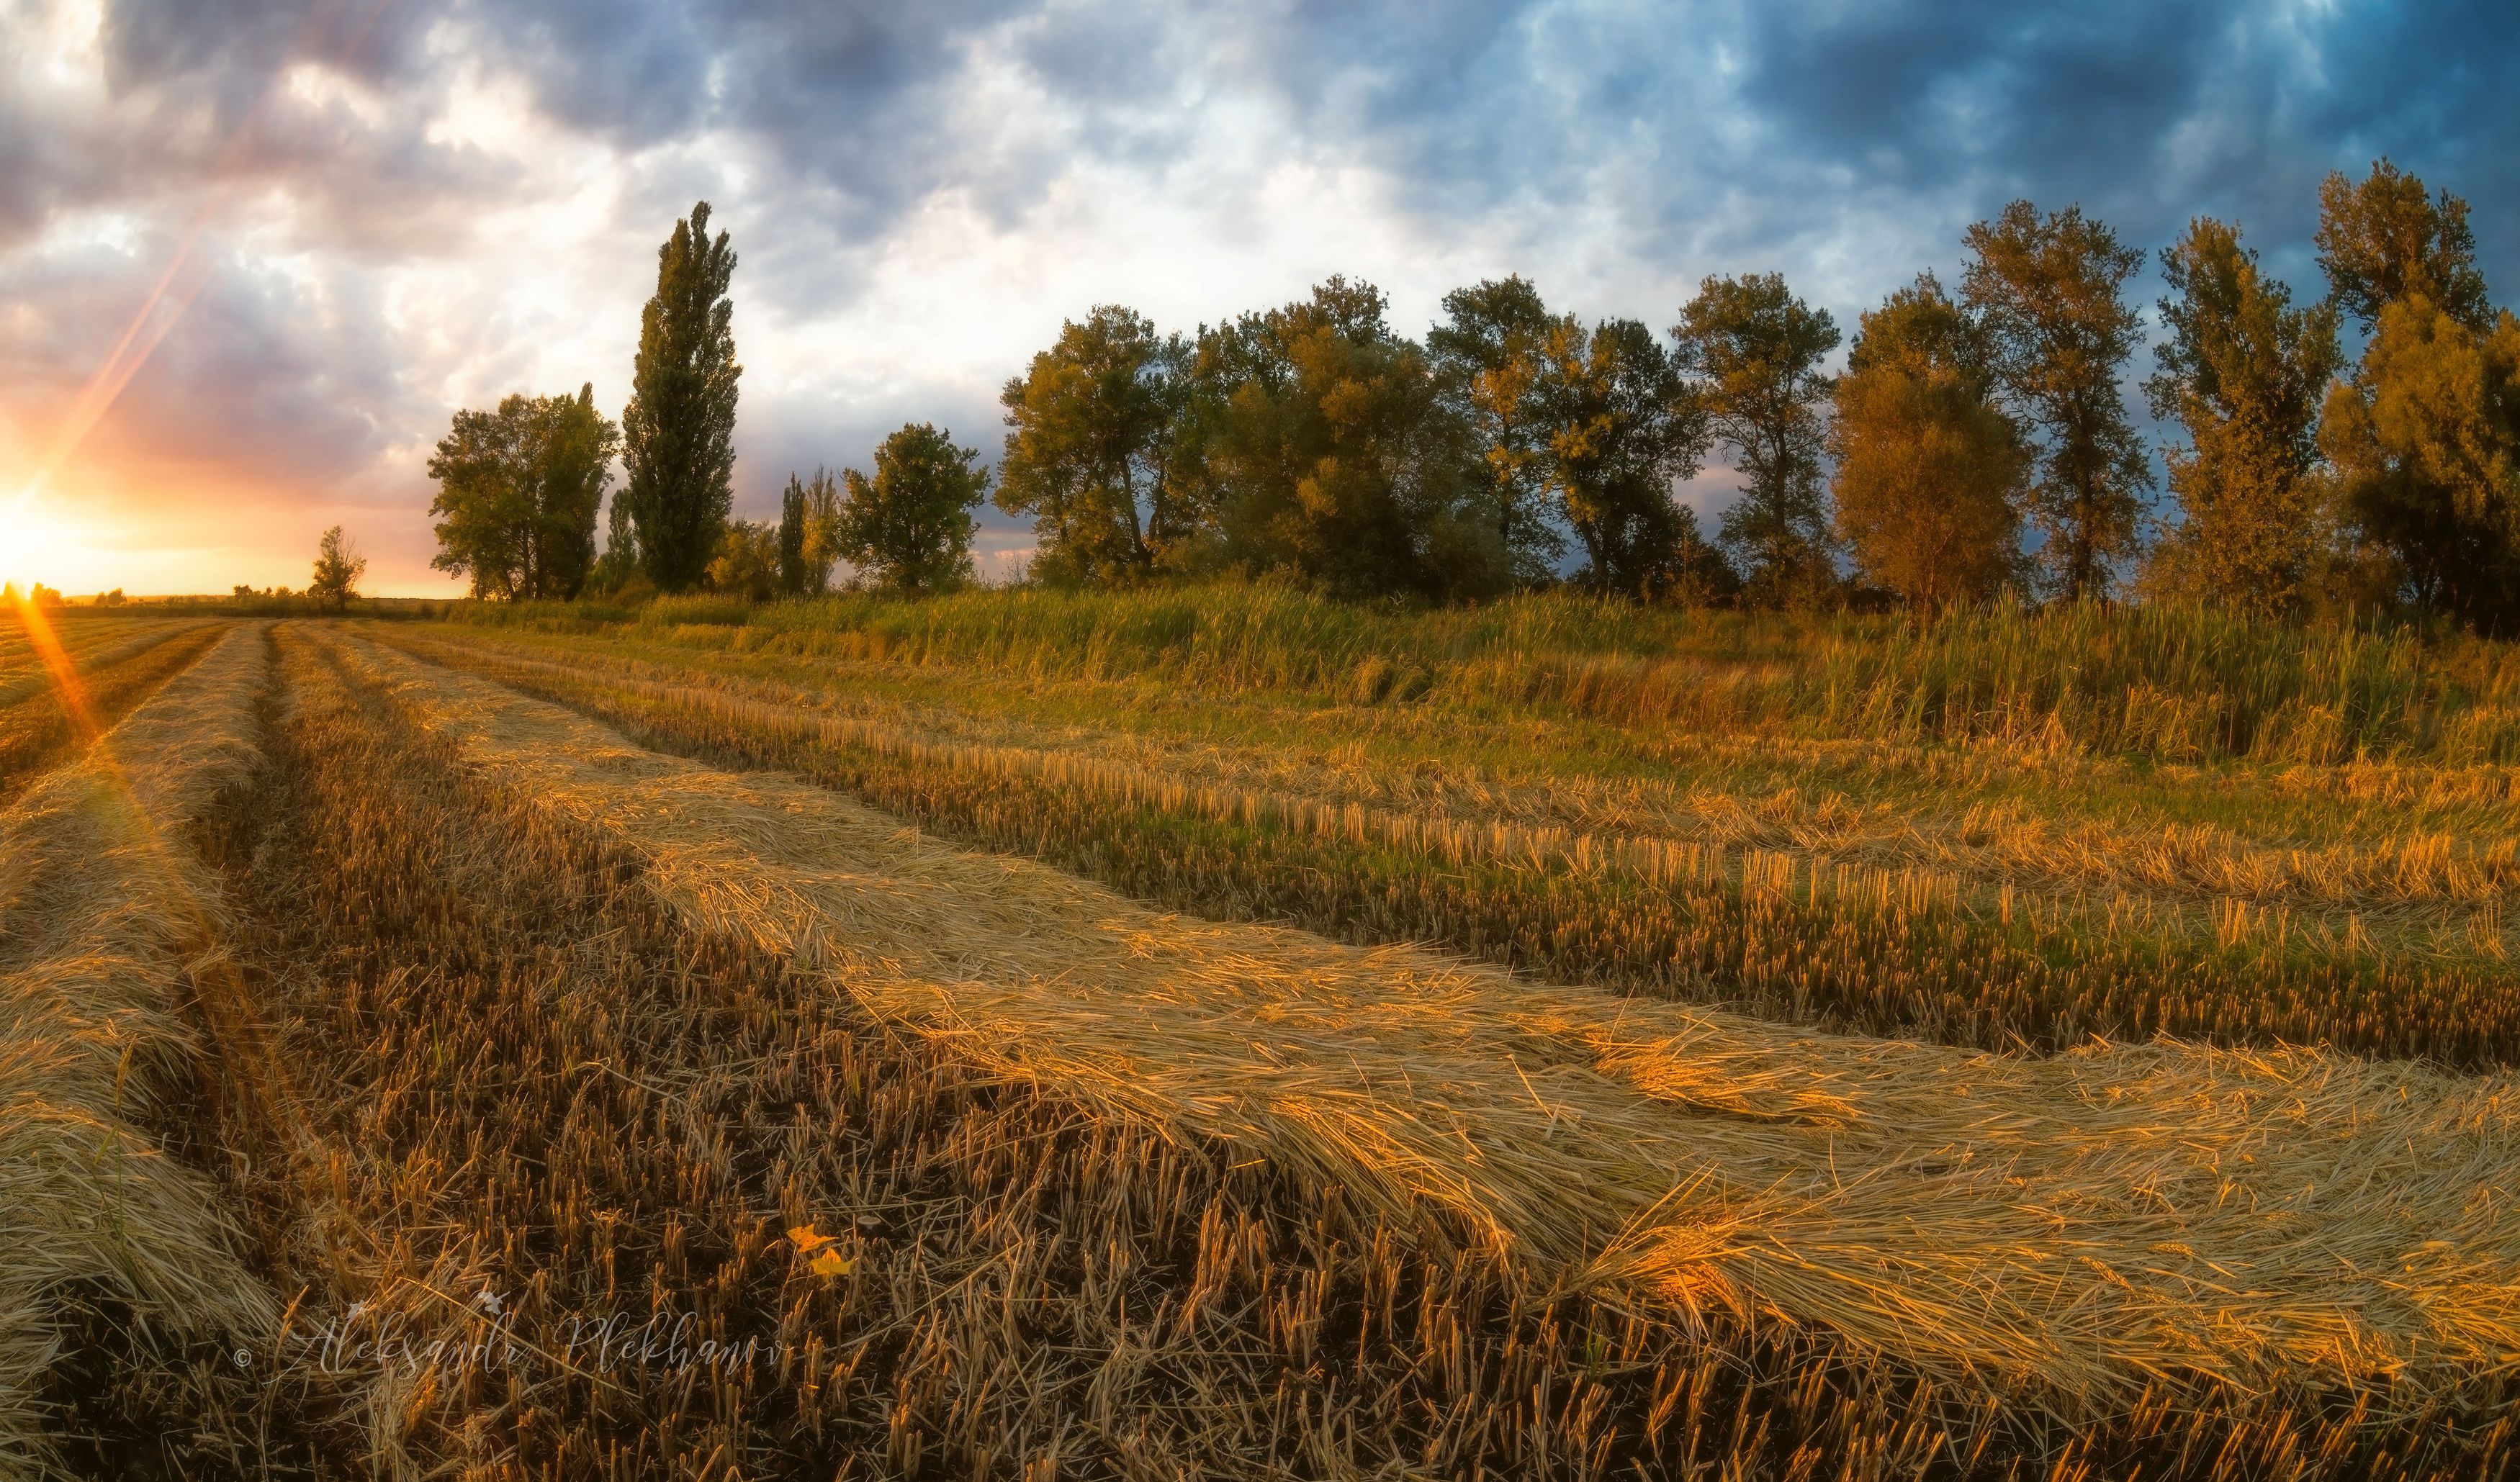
108	920
2071	1228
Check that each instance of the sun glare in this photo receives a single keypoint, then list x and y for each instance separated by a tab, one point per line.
30	544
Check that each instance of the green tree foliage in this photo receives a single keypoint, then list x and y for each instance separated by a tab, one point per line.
2427	443
1331	455
792	537
519	489
678	452
620	559
1615	424
822	530
1492	358
2050	290
2244	372
910	526
339	565
1088	449
746	563
2422	436
2384	241
1755	350
1929	469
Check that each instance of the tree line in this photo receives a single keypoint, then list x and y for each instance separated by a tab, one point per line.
1977	442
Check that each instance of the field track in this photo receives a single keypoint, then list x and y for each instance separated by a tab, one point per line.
2076	1225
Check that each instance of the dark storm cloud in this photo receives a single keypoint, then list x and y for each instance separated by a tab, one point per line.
1847	143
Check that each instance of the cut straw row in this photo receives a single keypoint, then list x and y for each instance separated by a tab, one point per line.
105	916
2068	1226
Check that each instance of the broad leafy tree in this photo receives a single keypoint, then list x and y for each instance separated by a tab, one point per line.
2244	372
2050	292
678	452
519	489
2425	435
1089	444
1929	469
1616	426
909	526
2427	443
1755	351
746	563
1332	456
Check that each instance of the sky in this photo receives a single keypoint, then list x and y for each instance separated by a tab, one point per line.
256	253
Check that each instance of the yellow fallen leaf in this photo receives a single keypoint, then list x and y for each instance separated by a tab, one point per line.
805	1237
831	1263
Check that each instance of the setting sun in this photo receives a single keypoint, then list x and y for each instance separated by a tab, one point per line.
32	543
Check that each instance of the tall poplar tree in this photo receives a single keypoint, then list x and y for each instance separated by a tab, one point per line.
2049	292
1491	364
678	431
2386	241
1756	350
2244	372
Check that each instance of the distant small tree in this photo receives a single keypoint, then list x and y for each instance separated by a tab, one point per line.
1756	351
678	431
113	598
620	563
747	562
2245	373
339	565
2049	292
1929	469
45	597
909	525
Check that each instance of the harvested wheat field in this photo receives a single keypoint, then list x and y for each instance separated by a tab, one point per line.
647	1047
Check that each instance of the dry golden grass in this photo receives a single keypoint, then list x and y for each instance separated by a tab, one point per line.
2075	1226
110	917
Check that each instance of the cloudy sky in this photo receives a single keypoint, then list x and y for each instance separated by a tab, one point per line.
254	253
